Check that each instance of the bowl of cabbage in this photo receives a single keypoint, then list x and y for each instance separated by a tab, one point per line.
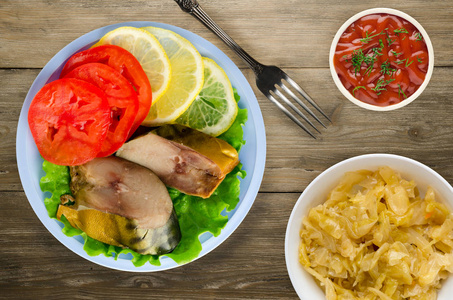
374	226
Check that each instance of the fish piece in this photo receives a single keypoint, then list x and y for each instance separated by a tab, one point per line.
122	203
186	159
118	186
123	232
218	150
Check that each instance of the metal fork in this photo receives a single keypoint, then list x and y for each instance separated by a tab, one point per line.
268	78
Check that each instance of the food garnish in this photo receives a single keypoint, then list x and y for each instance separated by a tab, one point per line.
383	53
377	237
122	204
214	109
381	85
191	161
148	51
69	119
186	78
368	38
123	62
356	88
121	97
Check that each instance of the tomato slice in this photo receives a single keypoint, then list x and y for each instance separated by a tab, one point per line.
121	97
125	63
69	119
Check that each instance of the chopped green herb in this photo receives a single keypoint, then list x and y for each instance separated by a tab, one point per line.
418	36
400	91
357	88
390	41
376	51
401	30
396	53
403	38
381	43
399	62
369	69
386	69
368	38
419	60
381	84
358	57
408	63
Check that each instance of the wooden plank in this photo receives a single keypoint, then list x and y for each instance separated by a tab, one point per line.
36	266
290	34
295	35
422	130
14	86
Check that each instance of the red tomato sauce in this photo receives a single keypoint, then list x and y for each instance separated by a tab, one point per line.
381	59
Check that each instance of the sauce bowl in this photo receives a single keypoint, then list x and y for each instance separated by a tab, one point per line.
348	94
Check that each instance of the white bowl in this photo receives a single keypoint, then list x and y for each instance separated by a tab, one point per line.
391	11
317	191
252	154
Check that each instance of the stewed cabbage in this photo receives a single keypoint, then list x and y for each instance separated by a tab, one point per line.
376	238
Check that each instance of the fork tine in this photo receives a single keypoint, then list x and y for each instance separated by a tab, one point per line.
289	114
286	89
305	95
290	104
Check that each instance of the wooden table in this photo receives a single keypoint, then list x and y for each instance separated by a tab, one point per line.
295	35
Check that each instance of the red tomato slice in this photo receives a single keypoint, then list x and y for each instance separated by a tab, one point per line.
121	97
69	119
125	63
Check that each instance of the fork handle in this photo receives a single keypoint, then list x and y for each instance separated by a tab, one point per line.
192	7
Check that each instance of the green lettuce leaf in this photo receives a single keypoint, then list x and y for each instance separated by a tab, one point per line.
195	215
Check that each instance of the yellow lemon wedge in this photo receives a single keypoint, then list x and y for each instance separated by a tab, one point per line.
148	51
214	109
186	79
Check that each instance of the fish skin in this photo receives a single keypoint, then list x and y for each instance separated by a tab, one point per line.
121	203
123	232
171	153
118	186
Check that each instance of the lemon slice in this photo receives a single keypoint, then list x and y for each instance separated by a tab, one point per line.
214	109
148	51
186	78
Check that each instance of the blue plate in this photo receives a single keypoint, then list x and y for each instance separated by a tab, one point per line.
252	155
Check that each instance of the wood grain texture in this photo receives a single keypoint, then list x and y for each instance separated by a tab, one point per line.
298	32
37	266
293	34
